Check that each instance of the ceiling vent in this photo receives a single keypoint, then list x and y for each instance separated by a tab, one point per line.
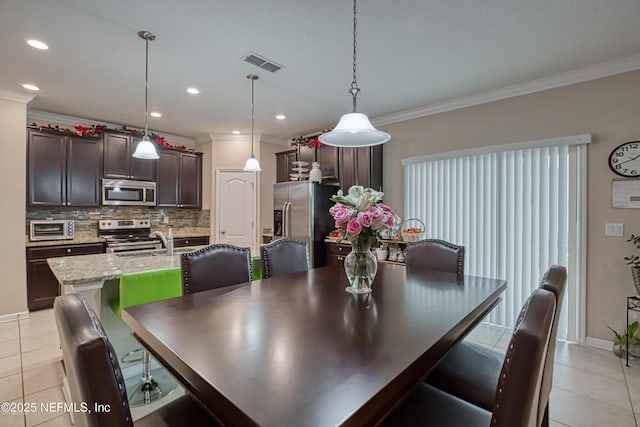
262	62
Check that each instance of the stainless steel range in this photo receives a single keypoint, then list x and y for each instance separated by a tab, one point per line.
124	235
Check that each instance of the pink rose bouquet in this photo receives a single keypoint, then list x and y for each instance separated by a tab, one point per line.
360	216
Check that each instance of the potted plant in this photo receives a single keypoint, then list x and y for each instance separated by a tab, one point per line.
634	262
620	340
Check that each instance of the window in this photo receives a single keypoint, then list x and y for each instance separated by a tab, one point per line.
517	211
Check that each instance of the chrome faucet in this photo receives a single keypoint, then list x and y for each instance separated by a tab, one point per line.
167	243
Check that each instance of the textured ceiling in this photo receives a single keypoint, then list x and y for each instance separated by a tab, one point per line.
410	54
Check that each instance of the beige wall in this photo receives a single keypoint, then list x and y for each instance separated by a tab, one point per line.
13	137
608	108
232	153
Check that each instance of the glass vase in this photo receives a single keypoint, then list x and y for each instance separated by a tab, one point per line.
361	267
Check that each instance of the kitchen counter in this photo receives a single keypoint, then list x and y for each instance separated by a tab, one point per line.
86	274
80	237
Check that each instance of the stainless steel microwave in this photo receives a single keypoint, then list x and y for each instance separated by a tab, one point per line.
51	229
128	193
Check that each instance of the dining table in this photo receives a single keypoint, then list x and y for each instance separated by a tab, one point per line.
298	350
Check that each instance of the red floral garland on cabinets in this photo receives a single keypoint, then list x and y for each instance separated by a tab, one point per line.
308	141
96	130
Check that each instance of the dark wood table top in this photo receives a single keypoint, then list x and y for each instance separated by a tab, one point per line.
298	350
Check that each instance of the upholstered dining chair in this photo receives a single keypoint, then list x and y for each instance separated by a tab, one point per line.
435	254
517	392
471	371
284	256
95	377
215	266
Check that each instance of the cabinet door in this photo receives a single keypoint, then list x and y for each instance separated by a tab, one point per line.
347	161
307	154
116	156
372	161
283	165
84	161
42	285
190	182
167	175
46	158
328	158
140	169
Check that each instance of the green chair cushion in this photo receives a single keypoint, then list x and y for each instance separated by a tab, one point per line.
149	286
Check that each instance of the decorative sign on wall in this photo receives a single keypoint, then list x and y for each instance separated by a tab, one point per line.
626	194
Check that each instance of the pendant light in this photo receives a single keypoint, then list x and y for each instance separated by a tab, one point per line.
252	164
354	129
145	148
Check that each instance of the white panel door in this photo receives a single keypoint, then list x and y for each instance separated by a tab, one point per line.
236	207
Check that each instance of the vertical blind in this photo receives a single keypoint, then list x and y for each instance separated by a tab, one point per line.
516	213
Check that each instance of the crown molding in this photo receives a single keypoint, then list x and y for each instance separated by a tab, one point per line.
606	69
65	120
10	95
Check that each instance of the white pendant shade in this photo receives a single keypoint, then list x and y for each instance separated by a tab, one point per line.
146	150
354	130
252	165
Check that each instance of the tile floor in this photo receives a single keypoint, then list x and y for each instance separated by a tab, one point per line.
592	387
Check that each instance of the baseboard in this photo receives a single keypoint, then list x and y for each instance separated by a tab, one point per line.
599	343
14	316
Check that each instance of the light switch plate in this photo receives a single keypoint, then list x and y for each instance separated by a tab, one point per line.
613	229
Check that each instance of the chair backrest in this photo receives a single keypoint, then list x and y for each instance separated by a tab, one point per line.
554	280
284	256
91	365
520	379
215	266
435	254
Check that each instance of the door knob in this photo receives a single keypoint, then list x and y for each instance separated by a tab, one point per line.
222	232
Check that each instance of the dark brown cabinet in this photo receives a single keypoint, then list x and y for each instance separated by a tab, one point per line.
336	252
179	179
284	161
118	162
190	241
42	285
63	170
362	166
328	157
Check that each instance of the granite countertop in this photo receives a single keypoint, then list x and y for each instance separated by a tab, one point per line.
86	269
82	237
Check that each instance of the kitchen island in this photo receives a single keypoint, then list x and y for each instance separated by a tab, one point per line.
86	274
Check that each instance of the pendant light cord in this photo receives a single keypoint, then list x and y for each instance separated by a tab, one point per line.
354	89
253	78
146	88
252	82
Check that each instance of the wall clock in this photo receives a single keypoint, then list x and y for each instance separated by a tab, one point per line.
625	159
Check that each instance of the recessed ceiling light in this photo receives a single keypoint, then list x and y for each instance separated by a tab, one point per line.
37	44
280	116
235	132
193	90
29	86
155	114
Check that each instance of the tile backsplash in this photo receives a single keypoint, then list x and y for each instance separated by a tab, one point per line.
87	219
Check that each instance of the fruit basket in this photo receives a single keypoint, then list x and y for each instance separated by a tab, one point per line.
412	230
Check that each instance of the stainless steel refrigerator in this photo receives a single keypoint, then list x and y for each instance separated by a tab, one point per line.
301	211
